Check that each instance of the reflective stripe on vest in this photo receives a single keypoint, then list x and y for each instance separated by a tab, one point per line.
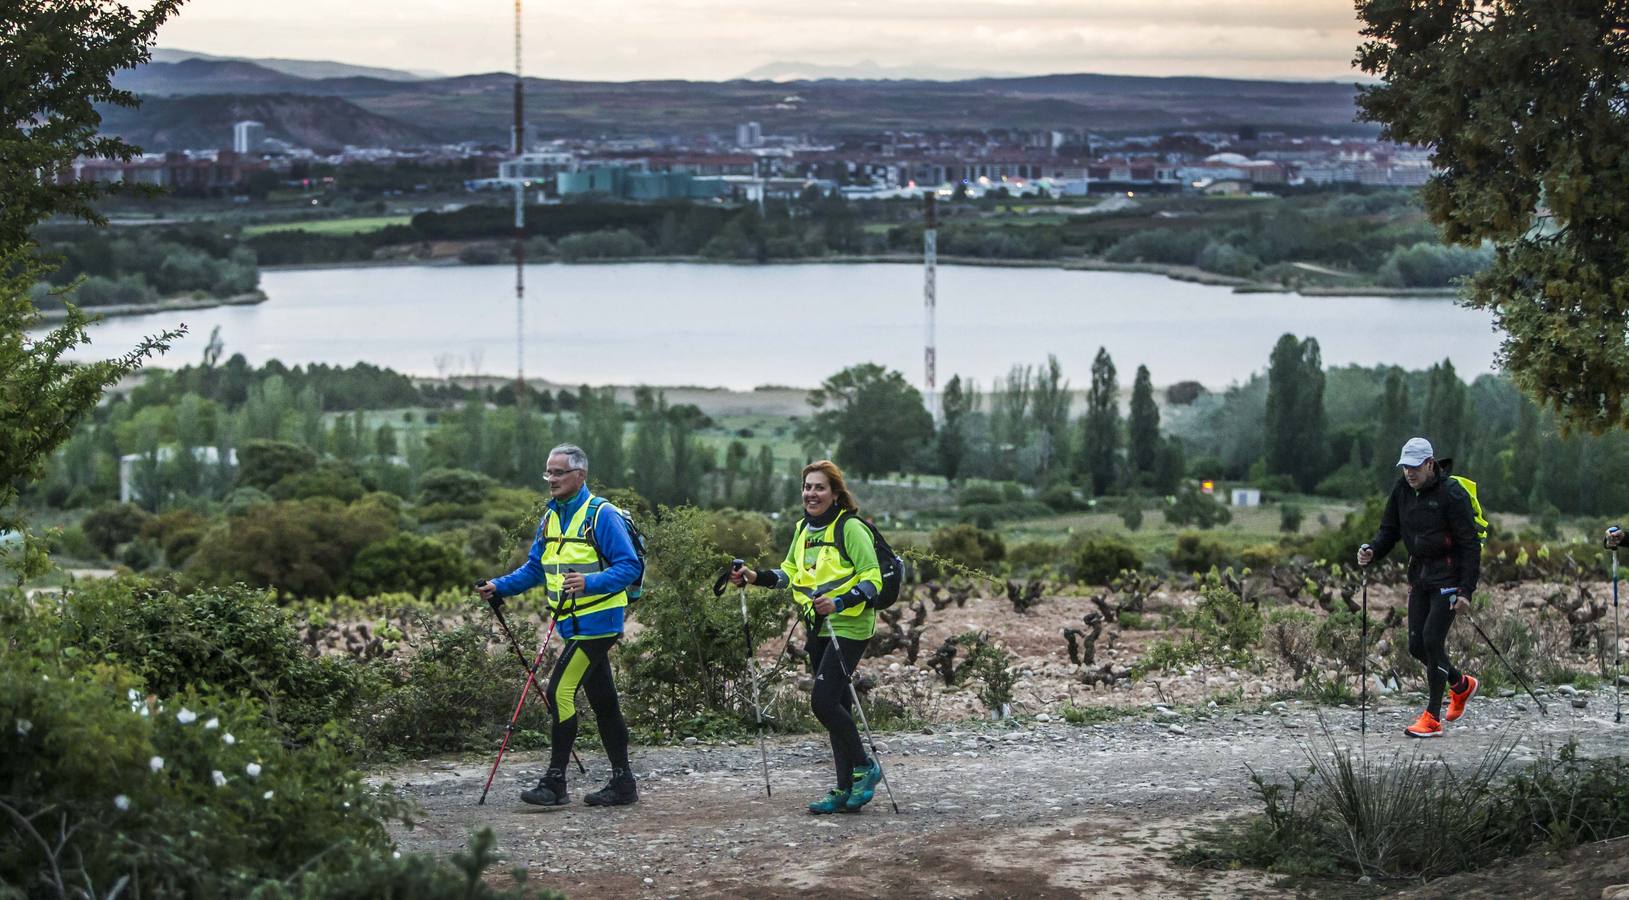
830	576
571	552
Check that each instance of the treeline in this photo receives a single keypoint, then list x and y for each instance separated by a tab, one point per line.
141	265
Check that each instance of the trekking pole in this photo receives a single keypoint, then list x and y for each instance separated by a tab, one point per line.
1363	667
531	674
1617	638
497	610
757	703
1501	657
859	710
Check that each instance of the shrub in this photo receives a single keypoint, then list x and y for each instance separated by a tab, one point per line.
1289	518
1421	817
1061	498
459	487
451	693
262	464
747	535
234	640
1194	552
1097	560
618	244
1222	631
1033	555
106	527
1192	507
303	548
967	545
407	563
1260	557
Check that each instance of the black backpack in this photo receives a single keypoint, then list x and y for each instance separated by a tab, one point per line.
891	564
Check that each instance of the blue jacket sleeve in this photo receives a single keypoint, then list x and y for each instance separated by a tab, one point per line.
530	573
622	565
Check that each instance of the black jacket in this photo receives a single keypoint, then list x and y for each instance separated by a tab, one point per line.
1438	529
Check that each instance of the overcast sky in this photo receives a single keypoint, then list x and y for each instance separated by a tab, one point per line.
618	40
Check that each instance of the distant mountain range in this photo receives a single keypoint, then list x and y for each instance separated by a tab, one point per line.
868	70
302	68
401	109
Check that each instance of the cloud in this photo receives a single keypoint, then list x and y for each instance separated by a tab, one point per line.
715	39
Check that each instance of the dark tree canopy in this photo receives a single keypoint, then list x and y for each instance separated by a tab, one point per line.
876	417
57	60
1525	104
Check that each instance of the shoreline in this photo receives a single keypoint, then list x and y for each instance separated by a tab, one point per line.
1191	274
172	304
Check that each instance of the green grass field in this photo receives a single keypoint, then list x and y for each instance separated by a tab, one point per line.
331	226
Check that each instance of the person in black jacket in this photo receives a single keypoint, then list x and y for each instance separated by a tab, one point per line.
1431	515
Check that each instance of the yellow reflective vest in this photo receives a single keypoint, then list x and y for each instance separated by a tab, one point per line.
815	568
571	550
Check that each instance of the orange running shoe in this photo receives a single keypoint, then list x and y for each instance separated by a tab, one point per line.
1458	699
1426	726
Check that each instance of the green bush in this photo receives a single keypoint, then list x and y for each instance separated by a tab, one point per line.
233	639
1097	560
1035	555
302	548
1192	507
747	535
1061	498
1223	630
611	244
262	464
454	691
1420	817
459	487
968	546
407	563
106	527
1289	518
1194	552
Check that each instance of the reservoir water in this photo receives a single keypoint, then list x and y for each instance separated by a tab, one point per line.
744	326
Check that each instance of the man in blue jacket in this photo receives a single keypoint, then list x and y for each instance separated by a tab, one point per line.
585	560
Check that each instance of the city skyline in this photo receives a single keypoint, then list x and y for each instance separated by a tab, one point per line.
712	40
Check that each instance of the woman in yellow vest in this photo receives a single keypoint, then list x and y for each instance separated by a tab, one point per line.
585	560
832	571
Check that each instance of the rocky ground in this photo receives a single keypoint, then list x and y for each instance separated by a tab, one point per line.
1033	808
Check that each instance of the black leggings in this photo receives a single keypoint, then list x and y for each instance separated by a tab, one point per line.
1428	621
834	706
586	663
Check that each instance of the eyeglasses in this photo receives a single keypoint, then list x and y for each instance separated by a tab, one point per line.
558	473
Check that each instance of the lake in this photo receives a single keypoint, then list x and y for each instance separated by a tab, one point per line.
744	326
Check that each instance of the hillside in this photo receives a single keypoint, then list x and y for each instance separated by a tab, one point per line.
477	107
178	123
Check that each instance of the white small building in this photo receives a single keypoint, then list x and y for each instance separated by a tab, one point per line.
128	493
1246	497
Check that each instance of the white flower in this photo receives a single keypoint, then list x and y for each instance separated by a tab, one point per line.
396	854
122	802
228	739
218	777
212	724
145	712
267	795
132	695
253	769
186	716
156	763
24	727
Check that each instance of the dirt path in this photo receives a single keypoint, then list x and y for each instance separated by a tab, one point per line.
1044	809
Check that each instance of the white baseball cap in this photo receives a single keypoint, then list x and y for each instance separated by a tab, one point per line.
1415	452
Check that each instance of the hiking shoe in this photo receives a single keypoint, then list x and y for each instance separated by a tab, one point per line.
865	785
1458	699
550	791
1426	726
835	801
621	790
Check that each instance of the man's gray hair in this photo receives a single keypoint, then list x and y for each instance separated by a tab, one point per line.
575	457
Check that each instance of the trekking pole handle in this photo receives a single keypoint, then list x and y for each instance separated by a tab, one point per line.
496	602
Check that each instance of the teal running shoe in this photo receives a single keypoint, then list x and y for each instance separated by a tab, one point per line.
835	801
865	785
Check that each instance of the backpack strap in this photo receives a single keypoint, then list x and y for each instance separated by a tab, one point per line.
596	505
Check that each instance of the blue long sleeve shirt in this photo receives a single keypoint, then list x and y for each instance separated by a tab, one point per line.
622	567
